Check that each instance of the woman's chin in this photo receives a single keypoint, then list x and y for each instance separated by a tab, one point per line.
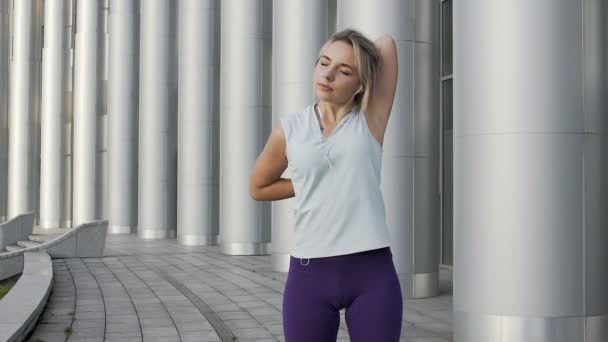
324	97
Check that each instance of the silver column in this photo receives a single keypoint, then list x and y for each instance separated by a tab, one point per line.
410	166
157	190
69	110
300	27
101	181
52	116
4	62
244	123
198	141
530	166
123	92
86	166
24	141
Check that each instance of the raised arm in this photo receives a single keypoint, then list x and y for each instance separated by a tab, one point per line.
266	183
383	94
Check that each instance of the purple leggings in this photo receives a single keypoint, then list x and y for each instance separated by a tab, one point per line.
365	283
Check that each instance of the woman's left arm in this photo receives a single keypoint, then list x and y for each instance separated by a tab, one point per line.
383	93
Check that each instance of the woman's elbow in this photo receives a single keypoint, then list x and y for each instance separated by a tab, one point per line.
254	191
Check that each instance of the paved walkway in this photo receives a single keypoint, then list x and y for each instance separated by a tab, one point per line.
159	290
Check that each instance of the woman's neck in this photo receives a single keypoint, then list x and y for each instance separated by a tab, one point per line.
332	112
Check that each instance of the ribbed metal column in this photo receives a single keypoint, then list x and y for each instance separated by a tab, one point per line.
86	166
70	43
24	141
123	93
410	165
52	116
198	141
4	62
300	27
102	126
157	189
530	166
245	123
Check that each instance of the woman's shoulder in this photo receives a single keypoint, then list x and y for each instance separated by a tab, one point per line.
296	116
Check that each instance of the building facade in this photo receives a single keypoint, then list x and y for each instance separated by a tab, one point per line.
151	114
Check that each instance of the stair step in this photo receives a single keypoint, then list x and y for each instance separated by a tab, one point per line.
42	238
28	243
13	248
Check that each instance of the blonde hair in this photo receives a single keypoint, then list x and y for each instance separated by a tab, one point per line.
367	63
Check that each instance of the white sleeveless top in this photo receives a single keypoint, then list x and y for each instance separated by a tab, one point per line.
339	208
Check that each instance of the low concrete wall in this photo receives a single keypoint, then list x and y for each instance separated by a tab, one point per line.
22	305
86	240
11	264
15	229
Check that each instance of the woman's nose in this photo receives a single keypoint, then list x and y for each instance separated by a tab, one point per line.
328	75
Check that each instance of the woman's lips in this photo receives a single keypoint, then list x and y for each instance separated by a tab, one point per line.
324	87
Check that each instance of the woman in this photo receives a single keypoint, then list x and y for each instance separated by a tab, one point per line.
340	256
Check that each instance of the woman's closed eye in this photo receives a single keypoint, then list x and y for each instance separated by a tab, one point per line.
342	71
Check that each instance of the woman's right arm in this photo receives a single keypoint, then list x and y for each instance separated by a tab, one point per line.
266	183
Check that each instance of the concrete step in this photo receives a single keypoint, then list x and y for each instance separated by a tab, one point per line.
13	248
28	243
42	238
38	230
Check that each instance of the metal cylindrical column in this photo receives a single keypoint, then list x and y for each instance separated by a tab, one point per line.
23	110
300	27
410	163
244	123
198	148
157	187
123	91
530	166
86	171
69	111
4	62
101	181
52	116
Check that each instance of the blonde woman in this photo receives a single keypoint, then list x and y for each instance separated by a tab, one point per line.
340	255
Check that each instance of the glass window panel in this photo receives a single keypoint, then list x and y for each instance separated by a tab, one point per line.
446	37
447	172
446	103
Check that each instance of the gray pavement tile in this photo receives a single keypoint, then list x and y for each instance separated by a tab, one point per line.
252	333
121	318
156	322
263	311
89	314
228	315
94	331
193	326
47	337
203	336
275	329
243	323
123	339
253	304
159	331
270	319
130	328
152	338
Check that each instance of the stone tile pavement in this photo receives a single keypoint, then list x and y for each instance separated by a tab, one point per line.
159	290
